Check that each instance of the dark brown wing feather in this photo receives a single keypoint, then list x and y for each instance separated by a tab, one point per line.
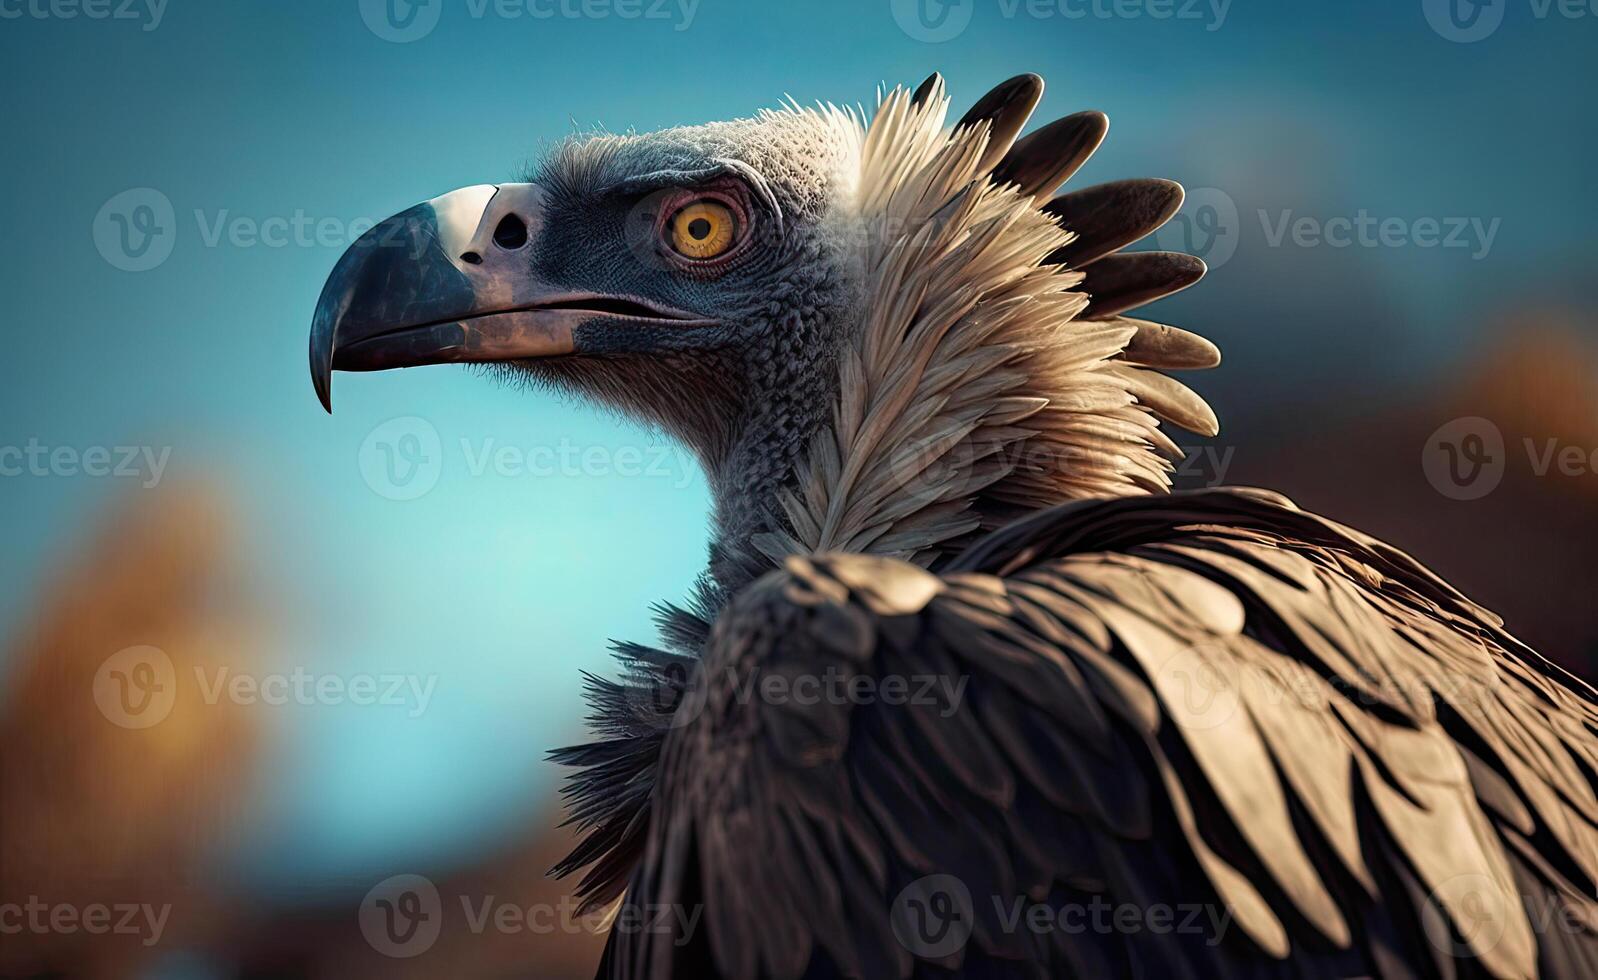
1211	701
1126	280
1109	217
1041	161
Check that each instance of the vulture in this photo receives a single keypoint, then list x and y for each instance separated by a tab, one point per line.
965	689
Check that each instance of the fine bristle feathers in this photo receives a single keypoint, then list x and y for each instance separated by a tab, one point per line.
979	383
1109	217
1040	162
1127	280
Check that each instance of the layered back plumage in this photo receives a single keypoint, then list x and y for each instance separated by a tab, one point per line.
1212	700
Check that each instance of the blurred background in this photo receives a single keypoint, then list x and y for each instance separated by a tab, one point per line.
257	661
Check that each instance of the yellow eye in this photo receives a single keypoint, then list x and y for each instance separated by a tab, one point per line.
703	230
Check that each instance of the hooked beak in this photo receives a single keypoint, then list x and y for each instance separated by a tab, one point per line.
452	281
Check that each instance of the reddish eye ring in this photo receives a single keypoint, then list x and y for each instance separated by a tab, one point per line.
703	230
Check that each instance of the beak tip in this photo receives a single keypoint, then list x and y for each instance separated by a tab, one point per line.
322	377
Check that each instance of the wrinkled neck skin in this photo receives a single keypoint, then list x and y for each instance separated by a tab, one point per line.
745	485
790	395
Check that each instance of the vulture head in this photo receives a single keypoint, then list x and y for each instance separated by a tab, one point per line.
879	334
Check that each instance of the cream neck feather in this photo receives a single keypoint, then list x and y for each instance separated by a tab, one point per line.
970	392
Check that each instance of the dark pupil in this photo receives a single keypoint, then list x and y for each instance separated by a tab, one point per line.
699	228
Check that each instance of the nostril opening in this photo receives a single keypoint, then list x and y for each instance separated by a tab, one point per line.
511	233
471	258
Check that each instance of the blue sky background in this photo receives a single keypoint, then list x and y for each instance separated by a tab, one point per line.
504	586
